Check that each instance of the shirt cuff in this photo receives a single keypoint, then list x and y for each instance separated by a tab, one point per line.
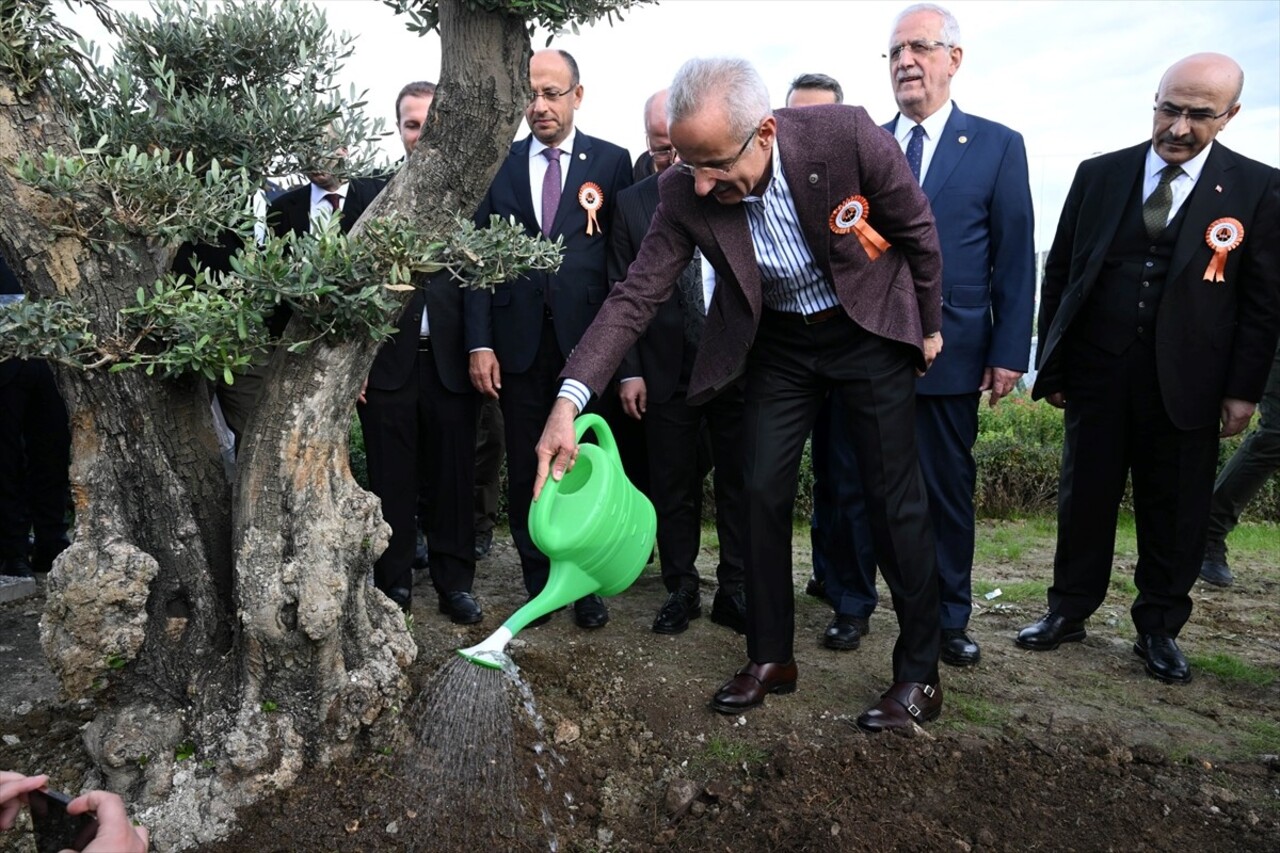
481	349
576	393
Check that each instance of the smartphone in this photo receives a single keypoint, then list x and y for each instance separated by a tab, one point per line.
55	830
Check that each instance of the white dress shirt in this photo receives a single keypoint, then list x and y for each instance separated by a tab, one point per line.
933	127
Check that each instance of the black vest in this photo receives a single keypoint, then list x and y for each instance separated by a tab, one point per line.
1122	305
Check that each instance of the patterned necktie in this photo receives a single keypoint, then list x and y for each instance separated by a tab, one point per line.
550	190
335	201
915	151
695	313
1155	211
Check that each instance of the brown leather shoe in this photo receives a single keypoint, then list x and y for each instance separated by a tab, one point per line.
752	683
901	705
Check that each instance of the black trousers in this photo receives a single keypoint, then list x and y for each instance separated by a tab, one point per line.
672	430
526	402
790	369
421	440
1116	426
35	450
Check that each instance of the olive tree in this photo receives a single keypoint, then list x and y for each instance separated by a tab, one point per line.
228	617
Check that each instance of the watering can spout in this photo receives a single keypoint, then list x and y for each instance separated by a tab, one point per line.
596	529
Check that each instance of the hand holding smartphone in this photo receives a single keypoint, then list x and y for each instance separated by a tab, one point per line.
55	829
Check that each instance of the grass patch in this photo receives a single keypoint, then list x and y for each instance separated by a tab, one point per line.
1013	593
1123	584
975	710
1010	542
1233	670
734	753
1261	737
1255	541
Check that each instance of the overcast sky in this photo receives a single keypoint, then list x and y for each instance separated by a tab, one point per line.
1075	77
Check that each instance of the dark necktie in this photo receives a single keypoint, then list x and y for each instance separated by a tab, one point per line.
335	201
915	151
1155	210
550	190
691	299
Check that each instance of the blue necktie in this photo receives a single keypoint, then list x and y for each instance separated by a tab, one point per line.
915	151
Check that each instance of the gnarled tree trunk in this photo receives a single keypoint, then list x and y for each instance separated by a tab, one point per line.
234	621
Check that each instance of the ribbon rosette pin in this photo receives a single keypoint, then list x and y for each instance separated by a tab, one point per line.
1222	235
851	215
591	197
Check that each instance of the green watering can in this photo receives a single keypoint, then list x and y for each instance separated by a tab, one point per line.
595	527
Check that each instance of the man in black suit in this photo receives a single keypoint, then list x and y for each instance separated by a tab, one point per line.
1158	320
563	184
655	381
418	414
35	449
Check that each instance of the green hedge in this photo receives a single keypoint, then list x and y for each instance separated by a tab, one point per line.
1019	452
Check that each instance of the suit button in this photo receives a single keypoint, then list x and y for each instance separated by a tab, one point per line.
1142	305
1146	284
1152	249
813	178
1139	330
1151	263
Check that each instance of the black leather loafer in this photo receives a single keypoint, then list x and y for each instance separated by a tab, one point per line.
1165	661
462	608
681	606
1052	630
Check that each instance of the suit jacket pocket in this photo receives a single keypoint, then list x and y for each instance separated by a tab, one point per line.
969	296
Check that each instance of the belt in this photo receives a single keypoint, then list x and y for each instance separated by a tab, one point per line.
424	344
822	316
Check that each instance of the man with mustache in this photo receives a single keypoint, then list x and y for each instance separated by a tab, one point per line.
827	281
1159	312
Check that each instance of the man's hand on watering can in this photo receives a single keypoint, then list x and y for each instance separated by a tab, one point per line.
558	447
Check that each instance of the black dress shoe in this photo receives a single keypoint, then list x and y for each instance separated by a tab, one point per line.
484	544
421	560
901	705
752	683
1165	660
1052	630
845	632
15	567
462	608
958	648
816	588
402	597
590	613
682	605
729	608
1214	569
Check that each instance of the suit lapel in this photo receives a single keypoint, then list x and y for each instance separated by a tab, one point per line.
1119	182
953	142
810	188
728	224
1208	201
520	181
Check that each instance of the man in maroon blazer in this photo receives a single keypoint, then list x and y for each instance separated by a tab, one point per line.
828	281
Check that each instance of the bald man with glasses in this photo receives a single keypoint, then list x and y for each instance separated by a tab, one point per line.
562	184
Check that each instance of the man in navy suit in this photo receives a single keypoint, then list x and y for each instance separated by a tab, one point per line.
974	172
418	414
1158	318
520	334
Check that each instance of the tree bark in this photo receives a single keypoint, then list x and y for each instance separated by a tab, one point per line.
234	617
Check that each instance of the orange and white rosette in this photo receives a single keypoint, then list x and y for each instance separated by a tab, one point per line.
851	215
591	197
1222	235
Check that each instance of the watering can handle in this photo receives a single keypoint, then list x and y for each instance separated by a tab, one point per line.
596	424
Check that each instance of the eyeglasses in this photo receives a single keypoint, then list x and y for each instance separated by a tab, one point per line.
1200	117
719	170
662	154
917	47
551	96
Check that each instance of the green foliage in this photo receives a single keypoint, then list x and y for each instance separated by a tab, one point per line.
33	44
269	707
54	330
249	85
1233	670
551	15
184	750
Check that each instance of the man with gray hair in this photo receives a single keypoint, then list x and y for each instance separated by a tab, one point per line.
974	172
827	281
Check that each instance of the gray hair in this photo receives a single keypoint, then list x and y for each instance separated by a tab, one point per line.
950	26
732	84
821	82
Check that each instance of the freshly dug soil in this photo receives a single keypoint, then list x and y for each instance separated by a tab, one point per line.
1072	750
